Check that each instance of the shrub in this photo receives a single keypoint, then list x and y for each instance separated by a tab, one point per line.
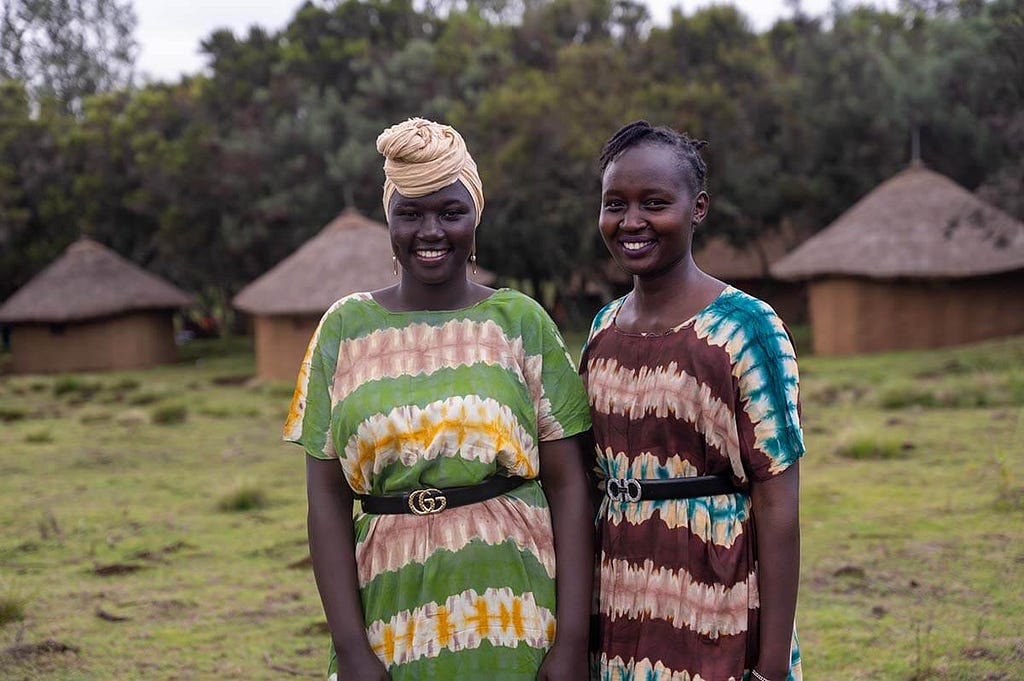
966	396
12	609
865	446
70	384
246	498
39	437
169	414
1015	388
145	398
900	395
12	413
95	417
1009	495
126	384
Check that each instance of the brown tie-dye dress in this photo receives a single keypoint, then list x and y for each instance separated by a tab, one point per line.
677	590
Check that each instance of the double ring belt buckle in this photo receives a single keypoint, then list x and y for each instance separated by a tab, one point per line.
427	501
623	489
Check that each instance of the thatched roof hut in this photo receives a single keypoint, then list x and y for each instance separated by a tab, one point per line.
352	253
91	309
918	262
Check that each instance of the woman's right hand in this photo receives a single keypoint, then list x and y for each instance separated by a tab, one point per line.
332	549
363	667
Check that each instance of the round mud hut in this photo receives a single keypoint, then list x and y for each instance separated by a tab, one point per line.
919	262
352	253
92	310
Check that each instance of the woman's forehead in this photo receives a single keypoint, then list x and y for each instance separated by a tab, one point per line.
650	164
455	192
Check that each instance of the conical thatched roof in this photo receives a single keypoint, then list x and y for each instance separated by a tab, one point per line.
352	253
917	224
87	281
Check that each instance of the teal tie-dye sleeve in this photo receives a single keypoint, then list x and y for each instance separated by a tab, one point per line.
562	407
768	384
309	416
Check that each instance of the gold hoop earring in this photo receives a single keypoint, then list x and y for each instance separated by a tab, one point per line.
394	263
472	261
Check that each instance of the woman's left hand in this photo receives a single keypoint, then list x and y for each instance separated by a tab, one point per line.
565	663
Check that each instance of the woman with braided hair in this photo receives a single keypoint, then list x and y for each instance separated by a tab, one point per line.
440	405
693	390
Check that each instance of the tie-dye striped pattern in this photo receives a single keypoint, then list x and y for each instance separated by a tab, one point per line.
678	594
406	400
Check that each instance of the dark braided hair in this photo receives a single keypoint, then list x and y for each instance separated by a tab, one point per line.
641	132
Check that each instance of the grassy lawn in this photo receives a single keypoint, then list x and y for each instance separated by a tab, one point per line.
152	524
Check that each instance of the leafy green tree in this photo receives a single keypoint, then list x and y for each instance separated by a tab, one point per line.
67	49
37	209
213	179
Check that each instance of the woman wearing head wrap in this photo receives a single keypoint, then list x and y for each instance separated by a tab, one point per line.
440	403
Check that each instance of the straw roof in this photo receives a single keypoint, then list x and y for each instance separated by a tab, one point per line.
352	253
87	281
917	224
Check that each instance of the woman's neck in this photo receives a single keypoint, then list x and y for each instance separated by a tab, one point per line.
658	293
410	294
669	298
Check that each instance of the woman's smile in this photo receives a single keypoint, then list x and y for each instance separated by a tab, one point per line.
637	247
431	256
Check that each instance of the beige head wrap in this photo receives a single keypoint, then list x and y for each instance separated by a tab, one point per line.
421	157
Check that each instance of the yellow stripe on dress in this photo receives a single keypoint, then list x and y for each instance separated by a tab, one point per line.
470	427
462	622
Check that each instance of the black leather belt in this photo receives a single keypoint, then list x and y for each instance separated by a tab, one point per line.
631	489
430	500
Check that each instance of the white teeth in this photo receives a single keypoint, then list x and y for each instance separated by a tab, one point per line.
634	245
430	254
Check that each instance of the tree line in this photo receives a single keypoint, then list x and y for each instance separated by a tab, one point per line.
214	178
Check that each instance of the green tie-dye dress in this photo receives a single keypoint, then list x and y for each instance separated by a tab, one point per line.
407	400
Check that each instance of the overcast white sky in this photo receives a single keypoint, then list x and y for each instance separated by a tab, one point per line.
169	32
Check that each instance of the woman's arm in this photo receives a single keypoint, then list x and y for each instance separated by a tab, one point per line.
776	509
565	486
332	549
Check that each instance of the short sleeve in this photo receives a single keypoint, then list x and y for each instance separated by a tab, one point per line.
561	399
309	417
602	320
768	389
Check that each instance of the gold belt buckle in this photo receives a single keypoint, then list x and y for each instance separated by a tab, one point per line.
427	501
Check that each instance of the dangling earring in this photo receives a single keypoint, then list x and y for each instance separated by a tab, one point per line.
394	263
472	261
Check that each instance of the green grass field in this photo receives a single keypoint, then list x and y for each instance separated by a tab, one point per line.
152	523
